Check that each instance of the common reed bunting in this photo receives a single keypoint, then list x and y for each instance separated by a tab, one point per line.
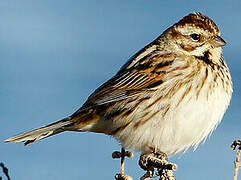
168	97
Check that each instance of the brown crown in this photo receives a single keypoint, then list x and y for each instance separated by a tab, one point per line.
201	21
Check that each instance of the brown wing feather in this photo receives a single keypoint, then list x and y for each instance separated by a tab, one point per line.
144	75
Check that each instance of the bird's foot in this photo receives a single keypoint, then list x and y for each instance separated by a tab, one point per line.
122	155
156	164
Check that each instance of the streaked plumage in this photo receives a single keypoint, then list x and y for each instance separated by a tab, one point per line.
169	96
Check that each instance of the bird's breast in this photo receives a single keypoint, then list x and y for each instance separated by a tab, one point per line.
178	115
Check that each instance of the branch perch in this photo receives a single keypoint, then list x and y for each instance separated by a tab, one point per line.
237	162
5	171
122	155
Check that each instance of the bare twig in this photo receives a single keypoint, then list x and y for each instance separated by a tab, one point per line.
237	162
5	171
122	155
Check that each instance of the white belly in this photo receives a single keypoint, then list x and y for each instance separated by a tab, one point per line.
185	124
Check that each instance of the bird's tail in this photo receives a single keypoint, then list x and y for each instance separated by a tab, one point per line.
41	133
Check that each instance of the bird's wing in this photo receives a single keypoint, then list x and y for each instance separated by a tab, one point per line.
143	72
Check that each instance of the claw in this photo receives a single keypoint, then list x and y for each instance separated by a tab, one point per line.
157	161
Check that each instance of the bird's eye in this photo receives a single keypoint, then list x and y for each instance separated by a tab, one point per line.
195	37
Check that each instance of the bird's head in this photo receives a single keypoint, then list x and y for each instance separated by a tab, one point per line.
196	35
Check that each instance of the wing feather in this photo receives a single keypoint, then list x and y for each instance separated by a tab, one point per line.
135	77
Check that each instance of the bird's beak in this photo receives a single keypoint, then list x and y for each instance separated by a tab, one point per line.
217	41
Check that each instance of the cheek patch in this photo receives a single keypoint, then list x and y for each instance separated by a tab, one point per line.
188	47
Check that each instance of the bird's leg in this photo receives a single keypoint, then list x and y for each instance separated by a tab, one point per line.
157	161
122	155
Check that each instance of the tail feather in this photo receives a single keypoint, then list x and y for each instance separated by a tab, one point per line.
41	133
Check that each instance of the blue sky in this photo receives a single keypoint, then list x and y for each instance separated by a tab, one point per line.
53	54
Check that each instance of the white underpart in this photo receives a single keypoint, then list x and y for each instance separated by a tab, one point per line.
193	120
185	125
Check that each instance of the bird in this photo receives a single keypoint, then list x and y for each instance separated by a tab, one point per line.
168	97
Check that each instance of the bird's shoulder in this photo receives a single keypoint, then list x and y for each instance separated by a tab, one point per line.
141	73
